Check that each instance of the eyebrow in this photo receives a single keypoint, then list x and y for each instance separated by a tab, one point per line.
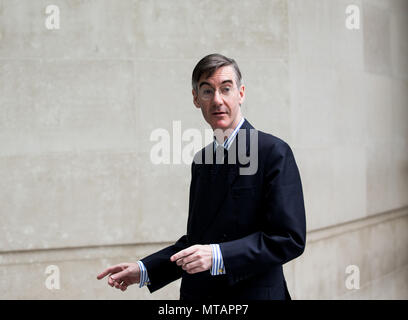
205	82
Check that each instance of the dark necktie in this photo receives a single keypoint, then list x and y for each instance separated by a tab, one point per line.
220	158
221	155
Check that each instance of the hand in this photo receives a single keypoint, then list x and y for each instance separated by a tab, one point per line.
194	259
122	275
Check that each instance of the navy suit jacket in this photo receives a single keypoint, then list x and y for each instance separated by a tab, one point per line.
258	220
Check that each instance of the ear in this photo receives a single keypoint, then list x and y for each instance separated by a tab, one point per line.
241	94
195	99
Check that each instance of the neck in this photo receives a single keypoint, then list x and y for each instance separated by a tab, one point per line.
222	135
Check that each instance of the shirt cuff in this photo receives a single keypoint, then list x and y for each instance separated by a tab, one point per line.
217	261
144	277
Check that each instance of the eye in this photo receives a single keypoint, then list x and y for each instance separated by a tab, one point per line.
226	89
207	91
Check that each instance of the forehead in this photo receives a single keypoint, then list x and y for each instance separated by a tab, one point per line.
219	75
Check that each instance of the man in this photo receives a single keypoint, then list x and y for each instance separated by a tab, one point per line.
242	226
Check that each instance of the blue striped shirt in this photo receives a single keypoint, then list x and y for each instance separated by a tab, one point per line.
144	278
217	262
217	267
227	143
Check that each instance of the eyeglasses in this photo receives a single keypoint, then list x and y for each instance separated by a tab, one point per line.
207	93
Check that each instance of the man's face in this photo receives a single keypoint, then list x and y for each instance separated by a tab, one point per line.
219	98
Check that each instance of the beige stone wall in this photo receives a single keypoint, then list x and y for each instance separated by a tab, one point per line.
78	189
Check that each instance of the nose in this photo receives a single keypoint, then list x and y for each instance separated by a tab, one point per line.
217	98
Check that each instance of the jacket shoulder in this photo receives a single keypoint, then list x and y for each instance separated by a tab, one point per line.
269	143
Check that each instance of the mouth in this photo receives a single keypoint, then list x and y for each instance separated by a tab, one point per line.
220	113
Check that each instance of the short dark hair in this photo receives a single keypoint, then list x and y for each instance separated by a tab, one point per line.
209	64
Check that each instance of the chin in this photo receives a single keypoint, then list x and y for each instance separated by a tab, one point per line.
220	124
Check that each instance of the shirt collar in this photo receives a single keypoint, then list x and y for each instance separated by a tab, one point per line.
227	143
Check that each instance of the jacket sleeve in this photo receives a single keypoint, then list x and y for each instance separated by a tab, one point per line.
283	234
160	269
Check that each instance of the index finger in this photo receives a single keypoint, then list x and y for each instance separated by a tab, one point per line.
109	270
182	254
